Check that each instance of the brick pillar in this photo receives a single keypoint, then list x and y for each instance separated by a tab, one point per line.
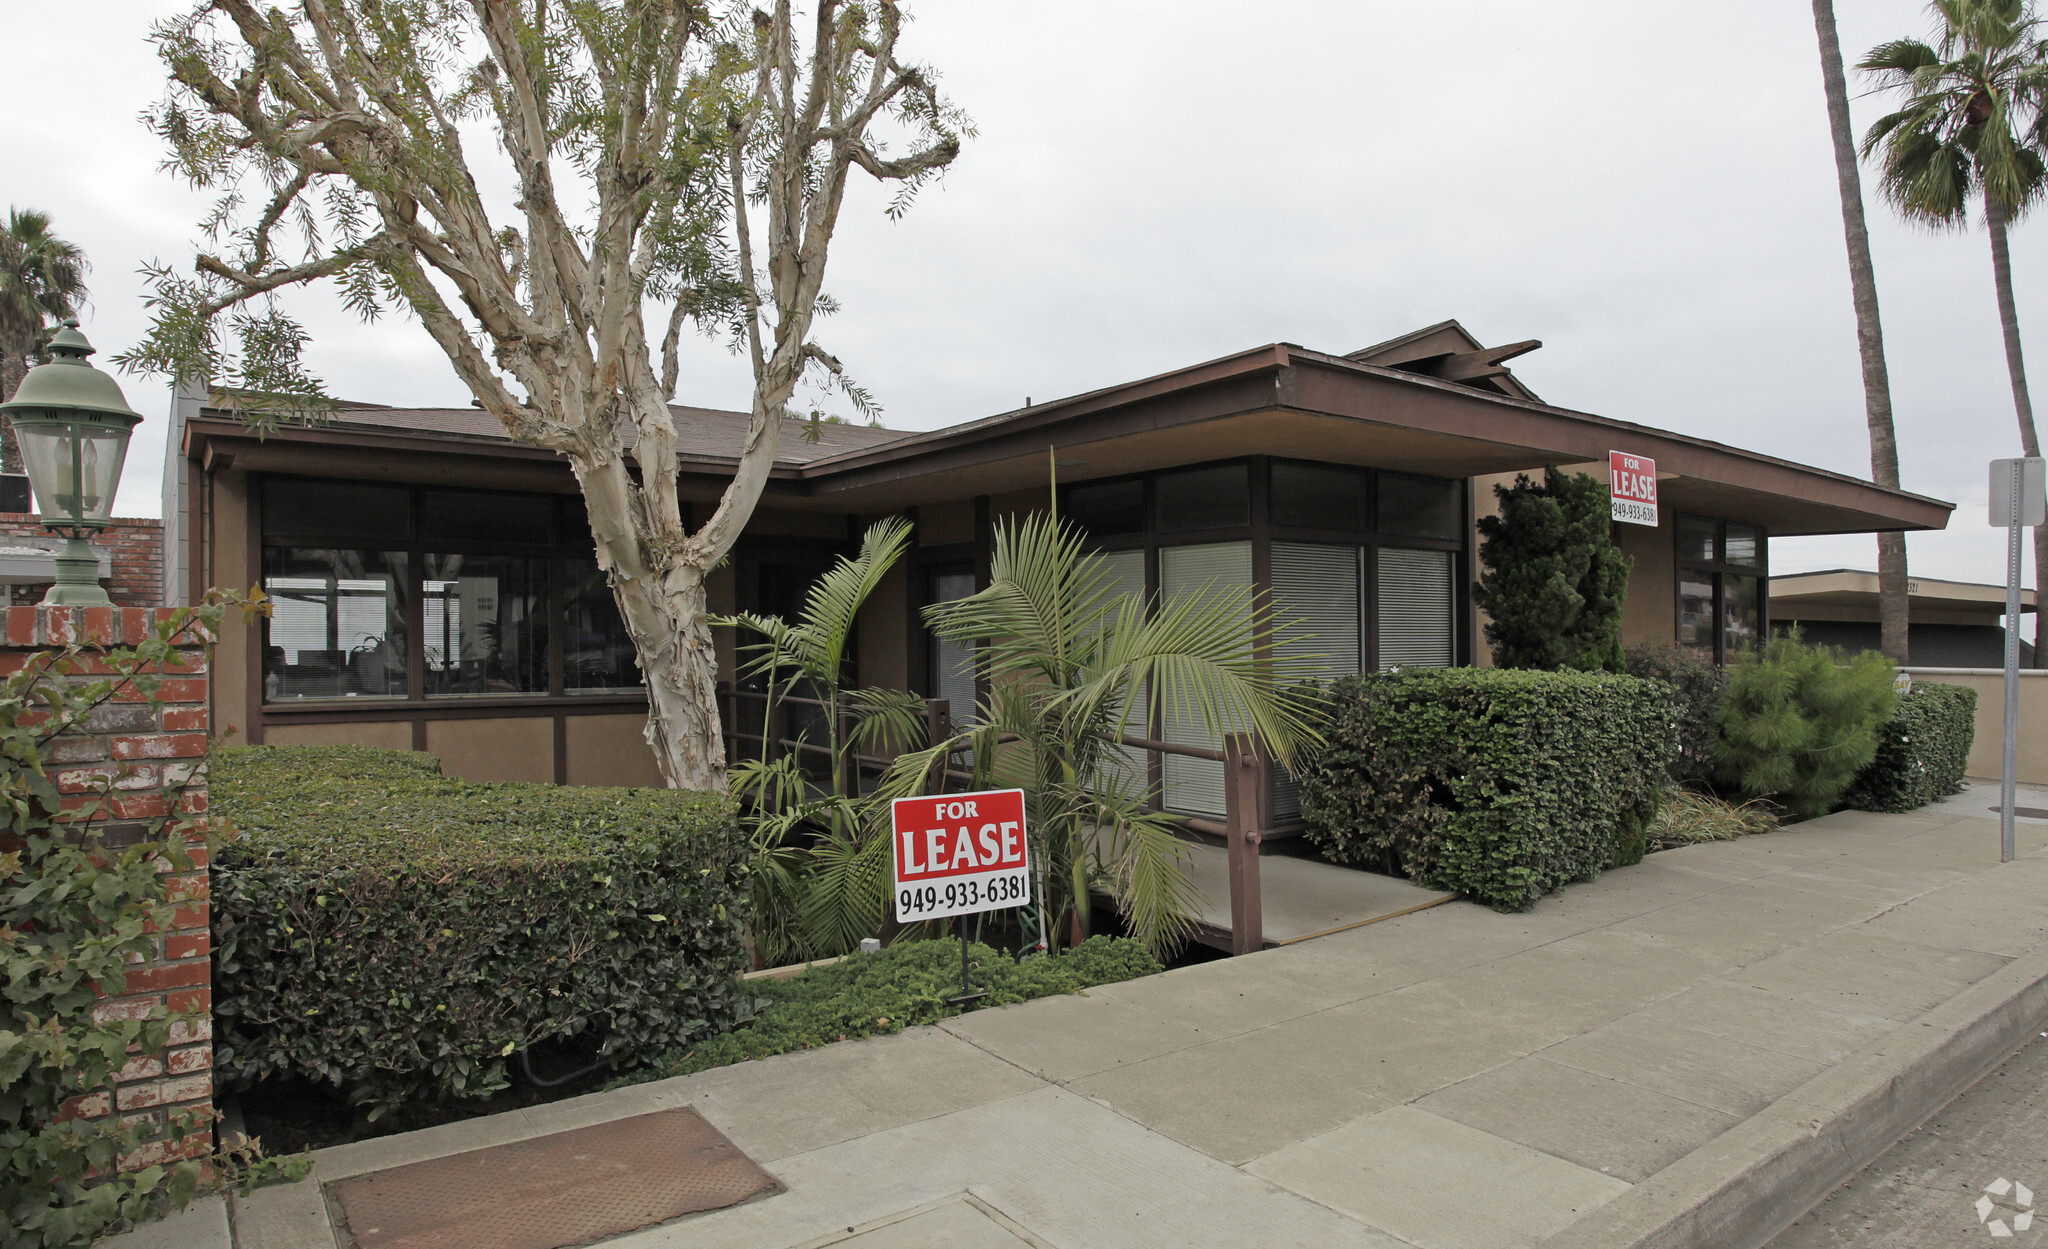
156	758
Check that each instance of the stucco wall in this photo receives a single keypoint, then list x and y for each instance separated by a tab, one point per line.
609	750
495	750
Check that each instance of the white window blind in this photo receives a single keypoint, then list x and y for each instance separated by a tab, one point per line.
952	663
1416	609
1195	786
1317	587
1123	767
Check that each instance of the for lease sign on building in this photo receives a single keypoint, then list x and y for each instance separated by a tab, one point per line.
960	853
1632	480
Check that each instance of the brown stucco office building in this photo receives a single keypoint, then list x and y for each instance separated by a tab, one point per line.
435	588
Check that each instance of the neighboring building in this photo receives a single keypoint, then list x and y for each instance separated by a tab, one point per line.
435	587
1951	624
131	552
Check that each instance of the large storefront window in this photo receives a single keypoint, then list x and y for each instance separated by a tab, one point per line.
337	624
1721	573
1366	563
395	592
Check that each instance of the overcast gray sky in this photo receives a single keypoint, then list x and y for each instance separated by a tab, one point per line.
1647	188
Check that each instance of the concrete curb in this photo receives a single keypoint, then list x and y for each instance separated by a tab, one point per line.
1748	1184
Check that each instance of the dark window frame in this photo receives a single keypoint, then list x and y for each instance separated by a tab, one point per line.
1716	571
568	539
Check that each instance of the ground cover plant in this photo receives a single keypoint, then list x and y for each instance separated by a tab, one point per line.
400	936
1500	784
1687	818
1798	722
904	986
1923	751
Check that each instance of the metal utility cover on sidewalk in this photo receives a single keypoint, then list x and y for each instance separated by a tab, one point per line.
569	1188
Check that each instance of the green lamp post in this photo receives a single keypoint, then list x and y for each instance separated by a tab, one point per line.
73	426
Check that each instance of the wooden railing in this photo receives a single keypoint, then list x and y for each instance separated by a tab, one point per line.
1246	775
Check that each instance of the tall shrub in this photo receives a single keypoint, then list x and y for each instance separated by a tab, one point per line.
1554	582
1798	722
1500	784
1696	687
400	935
1923	751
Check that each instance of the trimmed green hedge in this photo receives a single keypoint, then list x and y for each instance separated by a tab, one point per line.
1923	751
902	987
400	934
1499	784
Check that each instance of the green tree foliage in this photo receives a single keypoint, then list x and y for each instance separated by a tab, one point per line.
42	281
1973	125
1798	722
1553	582
75	915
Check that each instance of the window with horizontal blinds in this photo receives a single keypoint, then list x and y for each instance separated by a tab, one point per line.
1123	767
1417	609
953	663
1315	587
1195	786
1315	592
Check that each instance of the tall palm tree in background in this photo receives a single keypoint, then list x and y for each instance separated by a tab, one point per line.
1893	623
42	281
1972	127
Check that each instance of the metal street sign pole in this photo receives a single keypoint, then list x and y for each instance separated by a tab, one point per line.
2009	758
2019	497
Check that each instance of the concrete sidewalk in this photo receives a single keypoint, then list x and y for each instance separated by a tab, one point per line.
1691	1051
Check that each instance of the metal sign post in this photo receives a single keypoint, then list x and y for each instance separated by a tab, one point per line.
2019	497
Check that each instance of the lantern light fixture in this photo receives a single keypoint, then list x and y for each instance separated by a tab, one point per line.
73	425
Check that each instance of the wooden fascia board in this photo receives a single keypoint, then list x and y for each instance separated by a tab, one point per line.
1371	393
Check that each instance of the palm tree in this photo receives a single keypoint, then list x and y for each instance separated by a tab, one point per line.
1065	656
805	832
1893	624
42	277
1972	126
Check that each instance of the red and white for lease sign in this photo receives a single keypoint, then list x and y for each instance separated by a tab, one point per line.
1632	480
960	853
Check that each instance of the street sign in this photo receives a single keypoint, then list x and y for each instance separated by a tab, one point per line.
958	854
1632	480
2033	492
2019	497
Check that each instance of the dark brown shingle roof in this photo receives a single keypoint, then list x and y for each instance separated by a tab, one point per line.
701	433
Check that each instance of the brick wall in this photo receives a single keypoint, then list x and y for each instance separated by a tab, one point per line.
134	545
156	758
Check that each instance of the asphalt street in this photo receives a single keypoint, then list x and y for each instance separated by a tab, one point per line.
1989	1145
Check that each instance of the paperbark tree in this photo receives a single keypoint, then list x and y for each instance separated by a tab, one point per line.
1893	619
664	155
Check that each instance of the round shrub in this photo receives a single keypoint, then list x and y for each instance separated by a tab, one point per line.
1696	687
1923	751
400	934
1798	722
